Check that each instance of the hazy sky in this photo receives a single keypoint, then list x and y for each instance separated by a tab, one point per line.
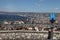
30	5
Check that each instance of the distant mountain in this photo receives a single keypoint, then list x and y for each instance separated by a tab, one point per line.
11	17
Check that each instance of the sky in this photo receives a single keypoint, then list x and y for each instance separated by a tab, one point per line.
30	5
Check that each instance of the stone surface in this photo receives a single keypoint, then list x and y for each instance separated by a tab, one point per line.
27	35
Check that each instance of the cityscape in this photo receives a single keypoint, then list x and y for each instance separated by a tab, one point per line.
29	19
38	20
30	24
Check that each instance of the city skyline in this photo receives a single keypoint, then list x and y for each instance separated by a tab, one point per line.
30	5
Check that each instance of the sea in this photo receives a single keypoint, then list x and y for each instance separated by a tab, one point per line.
11	17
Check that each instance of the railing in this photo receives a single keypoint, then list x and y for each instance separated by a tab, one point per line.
24	35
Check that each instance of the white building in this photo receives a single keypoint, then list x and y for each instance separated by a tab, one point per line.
18	22
7	22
